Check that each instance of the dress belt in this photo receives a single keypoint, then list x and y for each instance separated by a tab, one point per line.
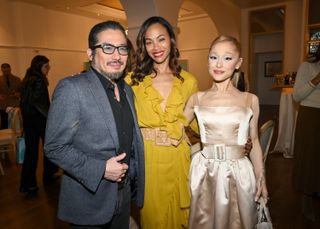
221	152
159	137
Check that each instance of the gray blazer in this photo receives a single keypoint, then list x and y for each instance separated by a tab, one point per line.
80	136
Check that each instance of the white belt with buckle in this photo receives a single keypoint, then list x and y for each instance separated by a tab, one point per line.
221	152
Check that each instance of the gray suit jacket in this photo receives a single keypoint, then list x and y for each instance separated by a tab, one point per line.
80	136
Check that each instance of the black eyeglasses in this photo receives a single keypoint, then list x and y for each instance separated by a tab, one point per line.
123	50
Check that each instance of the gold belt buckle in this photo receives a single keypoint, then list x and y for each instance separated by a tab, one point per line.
161	138
220	152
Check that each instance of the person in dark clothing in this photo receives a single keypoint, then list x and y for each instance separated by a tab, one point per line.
306	160
93	135
9	93
34	108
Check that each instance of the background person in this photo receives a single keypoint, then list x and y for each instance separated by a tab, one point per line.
161	90
306	172
10	87
224	183
93	135
34	109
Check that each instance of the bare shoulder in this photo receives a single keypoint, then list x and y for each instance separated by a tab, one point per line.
200	94
252	100
254	97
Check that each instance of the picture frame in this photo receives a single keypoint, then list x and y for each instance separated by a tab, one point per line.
184	64
272	68
314	41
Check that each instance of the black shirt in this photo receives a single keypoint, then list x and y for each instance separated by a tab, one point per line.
122	115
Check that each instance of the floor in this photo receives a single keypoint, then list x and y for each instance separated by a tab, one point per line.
38	211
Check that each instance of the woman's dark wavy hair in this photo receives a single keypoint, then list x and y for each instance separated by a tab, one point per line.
144	63
34	71
316	56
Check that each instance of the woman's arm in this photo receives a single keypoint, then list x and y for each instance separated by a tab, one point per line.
256	153
315	80
305	82
188	110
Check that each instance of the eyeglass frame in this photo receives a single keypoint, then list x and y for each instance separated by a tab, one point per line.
114	48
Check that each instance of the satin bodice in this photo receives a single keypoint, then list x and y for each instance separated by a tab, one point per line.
223	187
228	125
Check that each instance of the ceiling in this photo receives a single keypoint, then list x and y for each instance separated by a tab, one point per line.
255	3
267	20
112	9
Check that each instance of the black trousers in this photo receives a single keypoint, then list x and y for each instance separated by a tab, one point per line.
4	119
121	217
34	130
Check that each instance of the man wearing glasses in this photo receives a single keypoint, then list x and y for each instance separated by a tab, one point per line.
93	135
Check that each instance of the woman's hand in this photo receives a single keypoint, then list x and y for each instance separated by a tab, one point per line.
316	80
248	147
262	189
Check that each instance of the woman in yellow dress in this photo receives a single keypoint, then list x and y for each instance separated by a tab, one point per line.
161	90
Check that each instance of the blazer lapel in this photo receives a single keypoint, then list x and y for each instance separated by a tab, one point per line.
130	99
103	103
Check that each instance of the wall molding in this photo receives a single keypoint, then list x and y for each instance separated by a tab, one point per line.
37	48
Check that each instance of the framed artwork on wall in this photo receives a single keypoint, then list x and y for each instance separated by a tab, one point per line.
272	68
314	41
184	64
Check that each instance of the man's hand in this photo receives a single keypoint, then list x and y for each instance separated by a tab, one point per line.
248	147
115	170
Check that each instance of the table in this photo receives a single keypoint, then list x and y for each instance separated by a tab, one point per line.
288	111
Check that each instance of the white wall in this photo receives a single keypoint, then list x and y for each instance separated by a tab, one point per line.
294	35
292	40
264	90
194	41
267	47
27	30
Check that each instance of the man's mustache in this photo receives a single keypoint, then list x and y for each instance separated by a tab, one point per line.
115	62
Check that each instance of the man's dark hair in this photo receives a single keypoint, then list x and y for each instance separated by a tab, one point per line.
98	28
5	65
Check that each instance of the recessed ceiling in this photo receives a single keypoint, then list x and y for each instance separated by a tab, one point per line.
267	20
256	3
112	9
115	4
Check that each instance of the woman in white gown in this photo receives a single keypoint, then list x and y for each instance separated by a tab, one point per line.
224	182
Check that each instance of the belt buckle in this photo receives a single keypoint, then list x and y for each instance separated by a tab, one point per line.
148	134
161	138
220	152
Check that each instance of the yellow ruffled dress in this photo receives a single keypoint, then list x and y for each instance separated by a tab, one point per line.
167	196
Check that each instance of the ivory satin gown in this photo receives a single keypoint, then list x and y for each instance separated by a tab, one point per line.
222	191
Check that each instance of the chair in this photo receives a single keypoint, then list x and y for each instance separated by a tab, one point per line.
266	133
8	136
